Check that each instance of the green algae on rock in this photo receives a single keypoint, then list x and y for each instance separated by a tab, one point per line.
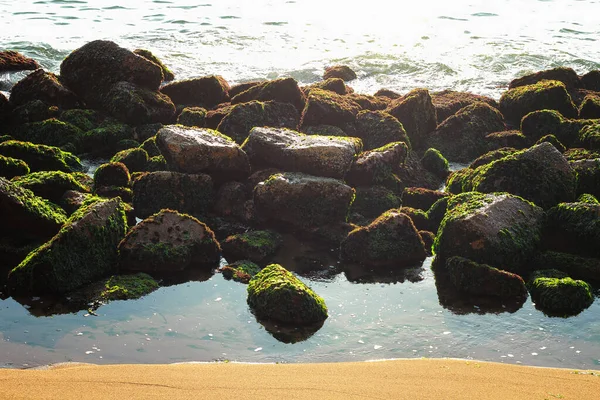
50	185
256	246
575	266
135	159
240	271
377	166
559	295
343	72
147	54
327	108
51	132
11	167
372	201
112	174
573	228
128	287
284	90
448	102
207	91
276	294
136	105
378	128
421	198
434	162
192	116
40	157
104	140
416	112
540	123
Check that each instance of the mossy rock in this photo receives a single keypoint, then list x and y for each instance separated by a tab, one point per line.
377	166
448	102
112	174
538	124
276	294
157	163
587	198
324	130
589	136
284	90
137	105
342	72
150	146
588	176
256	246
372	201
553	140
11	167
134	159
590	107
558	295
327	108
419	217
30	112
103	141
83	119
50	185
421	198
192	116
335	85
5	138
240	271
511	138
83	251
434	162
491	156
125	193
575	266
147	54
128	287
51	132
127	144
562	74
378	128
578	154
416	112
573	228
206	92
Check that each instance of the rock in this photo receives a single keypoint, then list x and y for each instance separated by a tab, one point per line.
192	116
498	229
588	176
14	61
324	130
91	70
416	112
590	107
589	136
544	95
27	216
511	138
378	128
204	92
428	238
448	102
335	85
44	86
50	185
240	271
72	200
104	141
491	156
421	198
562	74
40	157
436	213
32	111
11	167
540	174
137	105
284	90
186	193
303	201
245	116
553	141
339	71
134	159
434	162
214	117
391	239
369	103
83	119
538	124
573	228
167	74
167	242
328	108
483	280
83	251
461	137
418	217
5	107
575	266
50	132
112	174
558	295
242	87
578	154
376	166
127	287
256	246
372	201
276	294
150	146
295	152
388	94
591	80
231	200
587	198
202	150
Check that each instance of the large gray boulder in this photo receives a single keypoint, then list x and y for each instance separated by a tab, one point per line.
201	150
296	152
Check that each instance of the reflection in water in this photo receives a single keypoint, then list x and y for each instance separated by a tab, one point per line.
290	334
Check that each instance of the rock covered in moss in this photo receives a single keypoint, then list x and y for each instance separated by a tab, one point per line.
242	87
147	54
26	215
588	176
207	91
11	60
44	86
83	119
378	128
192	116
343	72
483	280
276	294
549	122
112	174
416	112
372	201
591	80
293	151
421	198
461	137
575	266
378	165
303	201
327	108
559	295
573	228
150	146
391	239
368	103
511	138
169	241
589	136
83	251
448	102
51	132
240	271
562	74
157	163
202	150
553	140
50	185
187	193
491	156
128	287
435	162
543	95
335	85
419	217
590	107
231	199
11	167
104	140
284	90
134	159
436	213
245	116
256	246
136	105
40	157
498	229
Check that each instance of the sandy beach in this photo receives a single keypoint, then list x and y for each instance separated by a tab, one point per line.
398	379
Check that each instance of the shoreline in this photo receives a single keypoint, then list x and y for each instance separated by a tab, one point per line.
398	379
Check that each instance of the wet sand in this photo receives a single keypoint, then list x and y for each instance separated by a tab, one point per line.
398	379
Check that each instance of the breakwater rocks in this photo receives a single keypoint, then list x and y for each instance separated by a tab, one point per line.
215	170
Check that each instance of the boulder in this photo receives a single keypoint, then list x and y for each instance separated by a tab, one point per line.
448	102
416	112
50	185
498	229
421	198
296	152
83	251
284	90
511	138
135	159
335	85
91	70
391	239
112	174
461	137
588	176
136	105
245	116
11	60
573	228
339	71
150	146
11	167
372	201
187	193
276	294
104	140
556	294
201	150
435	162
83	119
206	92
214	117
168	242
376	166
553	141
589	136
591	80
32	111
327	108
492	156
590	107
231	200
50	132
303	201
240	271
44	86
192	116
40	157
242	87
562	74
575	266
256	246
544	95
378	128
538	124
167	74
368	103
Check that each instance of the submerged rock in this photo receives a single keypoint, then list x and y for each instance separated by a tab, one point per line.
240	271
558	295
